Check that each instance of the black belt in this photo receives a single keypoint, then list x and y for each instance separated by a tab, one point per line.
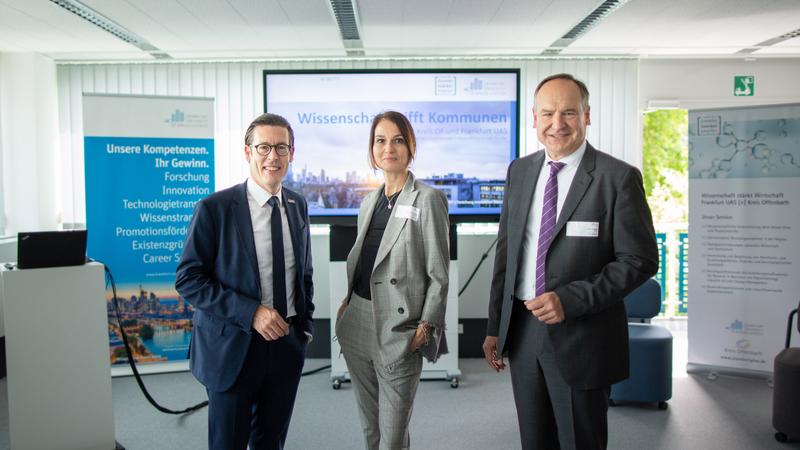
519	306
292	320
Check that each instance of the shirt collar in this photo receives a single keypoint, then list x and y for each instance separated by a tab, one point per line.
572	160
260	195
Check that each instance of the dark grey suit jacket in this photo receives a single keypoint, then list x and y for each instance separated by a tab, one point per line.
591	275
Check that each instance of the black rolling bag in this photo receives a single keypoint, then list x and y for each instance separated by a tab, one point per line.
786	388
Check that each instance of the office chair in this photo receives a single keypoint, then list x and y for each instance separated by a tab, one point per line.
650	379
786	387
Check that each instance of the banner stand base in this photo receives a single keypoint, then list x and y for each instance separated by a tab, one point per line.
713	371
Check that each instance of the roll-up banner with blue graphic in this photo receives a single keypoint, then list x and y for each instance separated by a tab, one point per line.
148	160
744	211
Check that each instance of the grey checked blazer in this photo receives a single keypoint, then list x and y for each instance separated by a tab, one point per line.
410	278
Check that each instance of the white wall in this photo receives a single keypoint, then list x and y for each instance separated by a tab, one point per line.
698	84
28	143
238	91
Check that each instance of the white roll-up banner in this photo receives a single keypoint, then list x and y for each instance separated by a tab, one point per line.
744	235
148	160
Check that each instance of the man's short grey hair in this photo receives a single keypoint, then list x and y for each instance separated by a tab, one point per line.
565	76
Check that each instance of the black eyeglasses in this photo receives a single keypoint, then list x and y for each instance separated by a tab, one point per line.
265	149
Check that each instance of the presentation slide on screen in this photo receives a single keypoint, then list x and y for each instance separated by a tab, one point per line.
465	124
148	160
744	185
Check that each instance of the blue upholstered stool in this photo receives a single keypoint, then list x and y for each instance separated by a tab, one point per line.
650	345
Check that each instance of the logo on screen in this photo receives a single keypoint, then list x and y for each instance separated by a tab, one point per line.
446	85
475	85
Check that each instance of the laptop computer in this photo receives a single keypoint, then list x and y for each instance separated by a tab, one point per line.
51	249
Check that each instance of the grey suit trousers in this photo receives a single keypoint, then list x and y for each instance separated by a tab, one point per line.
551	414
385	397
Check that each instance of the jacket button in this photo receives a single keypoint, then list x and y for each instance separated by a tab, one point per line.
401	310
393	281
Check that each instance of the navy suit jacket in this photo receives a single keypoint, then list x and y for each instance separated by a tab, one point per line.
218	275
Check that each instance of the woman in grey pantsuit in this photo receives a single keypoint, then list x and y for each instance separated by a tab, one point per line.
397	278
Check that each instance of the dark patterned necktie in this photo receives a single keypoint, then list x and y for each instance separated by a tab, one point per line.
549	212
278	264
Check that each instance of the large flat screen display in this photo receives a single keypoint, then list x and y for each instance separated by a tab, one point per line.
466	124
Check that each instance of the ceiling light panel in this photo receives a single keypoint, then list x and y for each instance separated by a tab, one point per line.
104	23
98	20
688	27
346	14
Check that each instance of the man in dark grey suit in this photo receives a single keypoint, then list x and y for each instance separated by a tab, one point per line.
576	236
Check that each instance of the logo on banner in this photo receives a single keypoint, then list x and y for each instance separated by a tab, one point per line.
739	327
742	352
709	125
179	119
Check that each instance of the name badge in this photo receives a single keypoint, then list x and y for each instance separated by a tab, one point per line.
407	212
583	229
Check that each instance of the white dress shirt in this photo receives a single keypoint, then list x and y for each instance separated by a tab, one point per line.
526	274
260	213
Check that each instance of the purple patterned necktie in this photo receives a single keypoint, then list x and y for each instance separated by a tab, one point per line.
549	211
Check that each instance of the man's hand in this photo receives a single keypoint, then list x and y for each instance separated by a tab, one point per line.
269	324
547	308
490	353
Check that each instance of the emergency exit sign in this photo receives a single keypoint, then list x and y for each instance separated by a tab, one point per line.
744	85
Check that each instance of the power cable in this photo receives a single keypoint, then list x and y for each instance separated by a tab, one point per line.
132	362
478	266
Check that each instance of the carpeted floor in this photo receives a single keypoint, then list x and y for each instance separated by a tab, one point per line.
726	413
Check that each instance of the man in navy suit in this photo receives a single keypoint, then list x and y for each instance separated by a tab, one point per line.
246	269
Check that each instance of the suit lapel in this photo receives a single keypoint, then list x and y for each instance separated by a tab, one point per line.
244	224
395	225
523	200
583	178
364	219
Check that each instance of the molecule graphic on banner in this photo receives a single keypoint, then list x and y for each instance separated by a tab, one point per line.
761	152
